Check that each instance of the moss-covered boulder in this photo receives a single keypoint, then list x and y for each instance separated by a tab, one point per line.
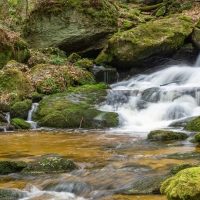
20	109
20	123
193	125
180	167
132	48
49	79
75	108
11	194
15	85
84	63
7	166
12	47
51	164
196	35
197	137
184	185
166	135
73	25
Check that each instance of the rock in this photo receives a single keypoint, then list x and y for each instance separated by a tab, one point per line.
20	123
180	122
20	109
180	167
197	137
50	79
76	109
12	47
183	155
137	46
10	194
84	63
7	167
193	125
184	185
15	85
73	26
196	35
166	135
51	164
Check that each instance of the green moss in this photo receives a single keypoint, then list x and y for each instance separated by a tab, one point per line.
50	165
6	194
185	185
7	167
20	123
178	168
84	63
166	135
197	137
183	155
74	57
193	125
20	109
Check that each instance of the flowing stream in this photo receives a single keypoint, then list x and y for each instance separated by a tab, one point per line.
117	164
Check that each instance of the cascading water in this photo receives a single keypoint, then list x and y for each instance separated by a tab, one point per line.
30	114
153	101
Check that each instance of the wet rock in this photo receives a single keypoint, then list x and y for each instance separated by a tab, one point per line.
178	168
166	135
6	194
183	155
193	125
20	109
197	137
196	35
180	122
7	167
150	95
20	123
184	185
51	164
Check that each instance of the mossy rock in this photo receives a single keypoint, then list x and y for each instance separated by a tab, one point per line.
35	97
12	47
166	135
15	85
180	167
132	48
196	37
184	185
50	79
7	167
197	137
20	123
20	109
183	155
75	108
193	125
74	57
51	164
84	63
6	194
73	26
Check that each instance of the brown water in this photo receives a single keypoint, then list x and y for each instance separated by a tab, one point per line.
110	163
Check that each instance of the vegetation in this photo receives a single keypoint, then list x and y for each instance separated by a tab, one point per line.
19	123
193	125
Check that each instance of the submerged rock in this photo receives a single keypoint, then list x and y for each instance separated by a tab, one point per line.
8	166
136	46
184	185
75	108
166	135
51	164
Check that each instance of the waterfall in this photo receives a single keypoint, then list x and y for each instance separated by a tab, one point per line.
7	116
30	114
197	64
153	101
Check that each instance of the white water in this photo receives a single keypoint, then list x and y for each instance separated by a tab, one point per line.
153	101
30	114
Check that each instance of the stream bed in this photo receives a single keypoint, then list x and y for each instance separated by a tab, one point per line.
110	163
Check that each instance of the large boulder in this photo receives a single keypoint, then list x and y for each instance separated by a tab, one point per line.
12	47
137	46
184	185
75	108
196	35
79	26
193	125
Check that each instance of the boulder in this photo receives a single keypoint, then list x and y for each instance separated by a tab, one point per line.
166	135
139	47
50	164
12	47
196	35
75	108
20	123
184	185
193	125
73	26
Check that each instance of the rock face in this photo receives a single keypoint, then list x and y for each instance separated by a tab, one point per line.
185	185
135	47
72	25
12	47
76	109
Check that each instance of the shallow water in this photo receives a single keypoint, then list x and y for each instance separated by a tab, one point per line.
109	162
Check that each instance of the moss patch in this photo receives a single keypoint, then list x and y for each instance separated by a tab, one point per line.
20	123
193	125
